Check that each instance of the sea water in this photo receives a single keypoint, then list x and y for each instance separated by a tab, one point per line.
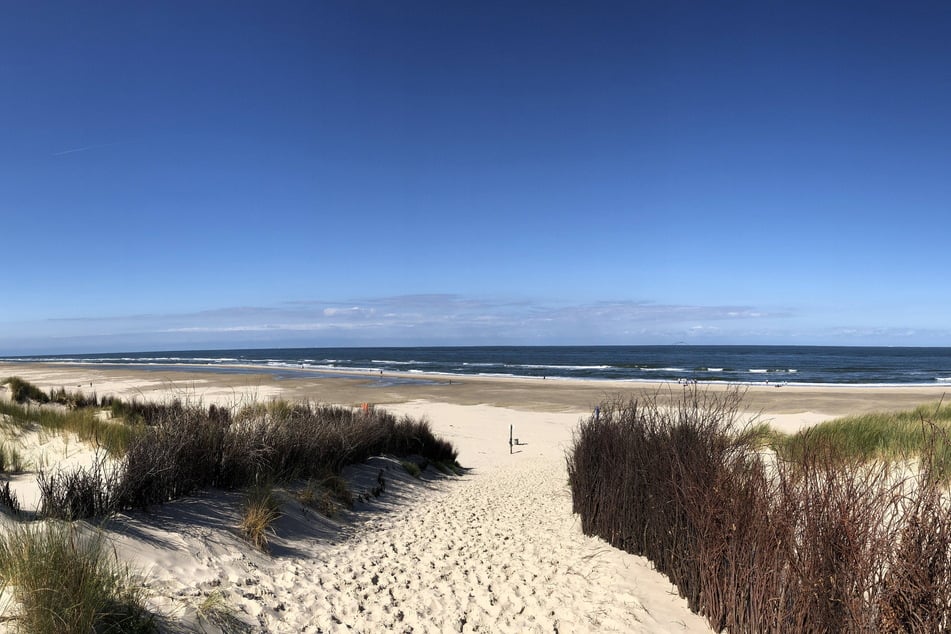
726	364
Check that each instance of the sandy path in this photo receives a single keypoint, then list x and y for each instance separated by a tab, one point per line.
488	553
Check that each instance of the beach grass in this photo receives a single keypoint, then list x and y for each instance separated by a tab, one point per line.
261	509
22	391
450	468
326	494
113	436
82	492
411	468
280	443
315	497
919	434
215	610
159	452
9	499
11	460
66	581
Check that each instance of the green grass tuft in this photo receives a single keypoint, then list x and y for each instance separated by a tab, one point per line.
69	583
22	391
114	437
326	495
411	468
894	436
260	511
449	467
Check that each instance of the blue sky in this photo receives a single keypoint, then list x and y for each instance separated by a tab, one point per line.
202	174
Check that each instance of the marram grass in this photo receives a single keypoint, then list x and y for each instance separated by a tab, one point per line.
895	436
114	437
260	511
68	582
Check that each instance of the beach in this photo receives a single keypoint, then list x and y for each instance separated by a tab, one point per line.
496	549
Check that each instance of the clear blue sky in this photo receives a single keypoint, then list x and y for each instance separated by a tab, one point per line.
202	174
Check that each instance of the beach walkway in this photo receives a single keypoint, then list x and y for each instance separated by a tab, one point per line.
493	552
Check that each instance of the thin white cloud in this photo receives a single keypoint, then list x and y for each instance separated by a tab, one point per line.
291	327
444	316
353	310
85	148
437	319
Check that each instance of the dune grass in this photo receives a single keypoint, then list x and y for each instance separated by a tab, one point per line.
69	583
11	460
326	494
921	434
411	468
65	582
215	610
80	493
279	443
113	436
165	451
22	391
261	509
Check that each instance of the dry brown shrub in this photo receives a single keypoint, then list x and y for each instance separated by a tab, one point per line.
824	544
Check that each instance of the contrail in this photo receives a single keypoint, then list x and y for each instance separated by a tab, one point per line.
82	149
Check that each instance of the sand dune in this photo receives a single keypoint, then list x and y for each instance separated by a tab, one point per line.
495	550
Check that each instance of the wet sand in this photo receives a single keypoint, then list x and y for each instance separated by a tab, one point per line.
531	394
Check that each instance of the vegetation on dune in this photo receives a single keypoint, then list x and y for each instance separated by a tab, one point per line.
411	468
160	452
819	538
9	500
65	582
68	582
326	495
261	509
112	435
80	493
22	391
280	442
921	434
11	460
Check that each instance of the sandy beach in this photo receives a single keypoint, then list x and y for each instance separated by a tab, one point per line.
495	550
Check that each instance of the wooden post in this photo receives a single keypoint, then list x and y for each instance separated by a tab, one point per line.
510	438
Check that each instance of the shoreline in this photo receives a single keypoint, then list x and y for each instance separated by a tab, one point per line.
528	393
738	364
303	371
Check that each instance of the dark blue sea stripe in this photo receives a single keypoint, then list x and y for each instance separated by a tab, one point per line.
733	364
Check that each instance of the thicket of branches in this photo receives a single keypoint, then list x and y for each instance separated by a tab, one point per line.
825	543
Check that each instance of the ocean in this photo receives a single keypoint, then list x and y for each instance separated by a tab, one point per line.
726	364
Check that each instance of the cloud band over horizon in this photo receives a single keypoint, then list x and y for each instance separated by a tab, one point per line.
398	320
437	319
